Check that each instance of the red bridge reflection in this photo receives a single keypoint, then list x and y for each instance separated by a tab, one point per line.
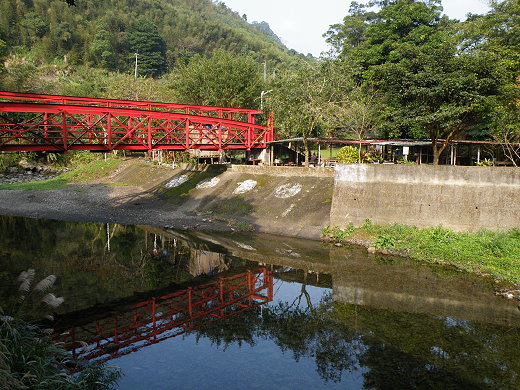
118	333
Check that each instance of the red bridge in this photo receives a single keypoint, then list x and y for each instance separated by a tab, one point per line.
110	335
30	122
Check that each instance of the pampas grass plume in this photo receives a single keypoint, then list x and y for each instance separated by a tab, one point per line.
53	301
45	283
25	278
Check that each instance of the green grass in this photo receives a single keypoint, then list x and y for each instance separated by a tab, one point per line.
494	253
92	171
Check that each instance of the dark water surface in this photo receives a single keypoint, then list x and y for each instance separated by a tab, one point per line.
199	311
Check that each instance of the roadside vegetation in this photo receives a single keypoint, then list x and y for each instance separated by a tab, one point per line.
83	172
482	252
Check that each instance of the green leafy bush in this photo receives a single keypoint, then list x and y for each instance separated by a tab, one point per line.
385	241
351	155
29	358
338	234
348	155
8	160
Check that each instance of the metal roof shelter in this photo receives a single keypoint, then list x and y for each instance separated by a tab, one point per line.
461	152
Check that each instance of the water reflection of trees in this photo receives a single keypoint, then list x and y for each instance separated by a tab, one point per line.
392	350
97	263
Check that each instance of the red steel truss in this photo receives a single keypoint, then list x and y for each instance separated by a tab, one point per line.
63	123
118	333
218	112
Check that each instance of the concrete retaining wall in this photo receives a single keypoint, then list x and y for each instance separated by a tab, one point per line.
300	201
460	198
283	171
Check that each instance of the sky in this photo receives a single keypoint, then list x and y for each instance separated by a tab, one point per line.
301	23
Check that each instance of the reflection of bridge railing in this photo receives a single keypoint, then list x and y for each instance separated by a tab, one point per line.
114	334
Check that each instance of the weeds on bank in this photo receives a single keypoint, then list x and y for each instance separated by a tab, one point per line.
94	170
496	253
29	358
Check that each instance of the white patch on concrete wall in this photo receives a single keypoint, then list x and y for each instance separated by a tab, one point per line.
177	181
245	186
244	246
353	173
208	183
287	190
286	212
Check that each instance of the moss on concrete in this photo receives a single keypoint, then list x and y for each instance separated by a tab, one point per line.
235	206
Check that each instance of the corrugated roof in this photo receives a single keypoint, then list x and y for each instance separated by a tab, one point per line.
395	142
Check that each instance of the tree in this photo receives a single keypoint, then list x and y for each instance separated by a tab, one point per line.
410	54
224	80
35	26
319	98
498	34
144	39
354	112
300	100
3	52
102	50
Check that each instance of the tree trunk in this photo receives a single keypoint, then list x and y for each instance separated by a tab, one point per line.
359	152
437	151
436	155
307	152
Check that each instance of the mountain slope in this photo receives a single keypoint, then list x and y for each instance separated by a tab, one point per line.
103	34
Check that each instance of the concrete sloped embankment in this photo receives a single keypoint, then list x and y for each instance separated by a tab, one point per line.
278	200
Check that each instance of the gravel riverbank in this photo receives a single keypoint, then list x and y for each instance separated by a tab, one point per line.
95	202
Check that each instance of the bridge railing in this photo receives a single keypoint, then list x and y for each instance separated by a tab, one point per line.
63	127
238	114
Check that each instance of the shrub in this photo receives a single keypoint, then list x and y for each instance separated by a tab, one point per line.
338	234
29	359
348	155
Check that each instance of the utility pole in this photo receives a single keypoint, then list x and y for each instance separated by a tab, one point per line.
265	71
262	94
135	71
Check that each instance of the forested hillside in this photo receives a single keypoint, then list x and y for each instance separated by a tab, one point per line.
107	34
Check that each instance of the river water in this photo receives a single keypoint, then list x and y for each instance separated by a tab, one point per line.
197	311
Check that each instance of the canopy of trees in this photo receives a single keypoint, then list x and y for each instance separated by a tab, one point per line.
222	80
431	84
